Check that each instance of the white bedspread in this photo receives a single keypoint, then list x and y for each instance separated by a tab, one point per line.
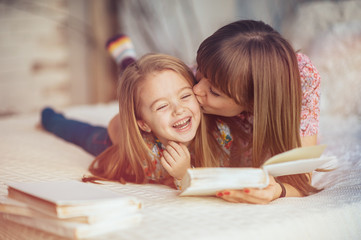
28	154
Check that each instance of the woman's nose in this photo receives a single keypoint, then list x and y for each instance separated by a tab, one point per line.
198	89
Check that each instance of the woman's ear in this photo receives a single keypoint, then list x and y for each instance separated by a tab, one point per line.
142	125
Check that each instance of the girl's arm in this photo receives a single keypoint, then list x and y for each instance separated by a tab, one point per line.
113	129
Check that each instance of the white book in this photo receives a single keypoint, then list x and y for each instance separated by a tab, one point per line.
69	199
11	206
75	230
208	181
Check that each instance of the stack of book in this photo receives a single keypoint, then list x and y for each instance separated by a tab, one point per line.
69	209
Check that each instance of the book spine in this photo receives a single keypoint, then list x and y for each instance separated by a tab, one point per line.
35	203
45	225
67	211
107	226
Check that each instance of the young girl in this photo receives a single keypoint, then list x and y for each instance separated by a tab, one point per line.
161	127
249	76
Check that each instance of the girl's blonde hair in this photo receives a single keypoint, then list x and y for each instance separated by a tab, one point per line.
254	65
127	160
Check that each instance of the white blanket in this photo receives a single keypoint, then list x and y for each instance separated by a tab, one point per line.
29	154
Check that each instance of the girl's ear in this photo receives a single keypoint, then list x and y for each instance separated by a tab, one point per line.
142	125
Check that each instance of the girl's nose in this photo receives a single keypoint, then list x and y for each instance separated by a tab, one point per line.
178	109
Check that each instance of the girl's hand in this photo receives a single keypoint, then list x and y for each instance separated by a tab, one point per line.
253	195
176	159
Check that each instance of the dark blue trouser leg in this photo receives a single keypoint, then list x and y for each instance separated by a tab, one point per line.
92	139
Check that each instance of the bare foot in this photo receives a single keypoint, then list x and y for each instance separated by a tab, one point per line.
40	127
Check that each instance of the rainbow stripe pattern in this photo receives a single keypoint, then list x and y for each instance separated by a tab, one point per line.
121	47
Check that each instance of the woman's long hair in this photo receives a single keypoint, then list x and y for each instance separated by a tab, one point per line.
254	65
131	159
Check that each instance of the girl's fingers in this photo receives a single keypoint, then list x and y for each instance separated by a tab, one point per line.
165	164
179	148
172	151
174	148
185	150
171	169
168	158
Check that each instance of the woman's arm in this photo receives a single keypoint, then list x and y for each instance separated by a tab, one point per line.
309	140
259	196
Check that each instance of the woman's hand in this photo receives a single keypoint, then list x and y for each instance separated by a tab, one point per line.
176	159
253	195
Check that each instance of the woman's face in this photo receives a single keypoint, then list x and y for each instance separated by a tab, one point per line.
213	101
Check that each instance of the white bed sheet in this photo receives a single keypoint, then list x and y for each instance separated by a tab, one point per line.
28	154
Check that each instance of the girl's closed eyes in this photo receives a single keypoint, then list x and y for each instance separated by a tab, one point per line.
161	107
184	95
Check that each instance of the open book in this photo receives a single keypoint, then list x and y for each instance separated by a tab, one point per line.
208	181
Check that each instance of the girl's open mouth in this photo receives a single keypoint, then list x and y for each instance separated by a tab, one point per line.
182	124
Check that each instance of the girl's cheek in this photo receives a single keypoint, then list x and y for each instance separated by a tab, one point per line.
197	107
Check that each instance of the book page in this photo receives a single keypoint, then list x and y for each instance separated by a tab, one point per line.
296	166
66	199
297	154
208	181
67	192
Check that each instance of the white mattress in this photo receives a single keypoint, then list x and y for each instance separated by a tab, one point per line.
28	154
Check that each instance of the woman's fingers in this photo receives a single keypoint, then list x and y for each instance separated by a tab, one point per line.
254	196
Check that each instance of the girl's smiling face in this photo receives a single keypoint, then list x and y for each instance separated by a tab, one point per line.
168	107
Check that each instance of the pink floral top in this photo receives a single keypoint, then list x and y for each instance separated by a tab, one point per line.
310	108
158	171
310	83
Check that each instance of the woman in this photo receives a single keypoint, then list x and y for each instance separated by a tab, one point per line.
249	77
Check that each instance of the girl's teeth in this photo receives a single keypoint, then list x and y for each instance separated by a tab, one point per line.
181	124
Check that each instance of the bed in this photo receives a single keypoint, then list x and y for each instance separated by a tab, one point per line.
30	154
